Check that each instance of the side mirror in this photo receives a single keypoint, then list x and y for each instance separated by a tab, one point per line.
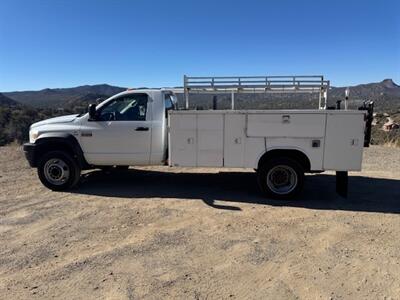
92	112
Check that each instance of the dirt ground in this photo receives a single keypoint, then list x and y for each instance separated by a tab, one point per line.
156	233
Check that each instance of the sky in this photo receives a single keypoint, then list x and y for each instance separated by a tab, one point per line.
66	43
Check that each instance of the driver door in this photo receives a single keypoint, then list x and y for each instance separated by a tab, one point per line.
121	133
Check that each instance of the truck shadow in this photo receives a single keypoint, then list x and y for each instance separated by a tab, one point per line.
365	193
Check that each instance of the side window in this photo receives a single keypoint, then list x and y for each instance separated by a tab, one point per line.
132	107
169	104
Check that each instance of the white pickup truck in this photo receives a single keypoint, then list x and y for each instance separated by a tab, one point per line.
143	127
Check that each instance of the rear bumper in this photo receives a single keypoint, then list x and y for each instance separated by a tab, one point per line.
29	150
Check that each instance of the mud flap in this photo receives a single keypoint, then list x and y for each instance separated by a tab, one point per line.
369	117
342	182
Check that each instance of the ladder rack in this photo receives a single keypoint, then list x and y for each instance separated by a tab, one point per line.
257	84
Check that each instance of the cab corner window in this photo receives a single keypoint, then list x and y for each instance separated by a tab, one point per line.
169	104
131	107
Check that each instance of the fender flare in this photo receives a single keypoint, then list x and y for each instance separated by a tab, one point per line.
287	151
60	141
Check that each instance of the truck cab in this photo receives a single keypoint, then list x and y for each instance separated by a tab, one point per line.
129	128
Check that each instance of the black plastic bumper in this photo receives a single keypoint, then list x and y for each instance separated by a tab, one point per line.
29	150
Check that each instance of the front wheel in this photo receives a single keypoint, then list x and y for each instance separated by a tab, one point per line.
281	178
58	170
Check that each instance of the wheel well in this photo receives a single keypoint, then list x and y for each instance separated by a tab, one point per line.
296	155
53	146
67	144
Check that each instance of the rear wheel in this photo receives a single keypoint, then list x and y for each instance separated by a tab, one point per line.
281	178
58	170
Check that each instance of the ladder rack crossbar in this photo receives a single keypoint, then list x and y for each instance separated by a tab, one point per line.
255	90
269	76
257	84
255	81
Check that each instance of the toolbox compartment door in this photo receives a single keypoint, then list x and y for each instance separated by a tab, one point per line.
344	142
289	124
210	137
182	140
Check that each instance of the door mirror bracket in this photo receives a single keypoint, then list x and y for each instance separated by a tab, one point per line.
92	112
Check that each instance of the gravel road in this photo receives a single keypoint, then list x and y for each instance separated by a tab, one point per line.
159	233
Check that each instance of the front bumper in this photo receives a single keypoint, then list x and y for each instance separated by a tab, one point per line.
29	150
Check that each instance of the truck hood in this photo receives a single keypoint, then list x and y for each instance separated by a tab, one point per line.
56	120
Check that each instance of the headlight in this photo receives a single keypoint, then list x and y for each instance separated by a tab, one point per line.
33	135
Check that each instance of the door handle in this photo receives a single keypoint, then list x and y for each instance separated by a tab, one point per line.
142	129
285	119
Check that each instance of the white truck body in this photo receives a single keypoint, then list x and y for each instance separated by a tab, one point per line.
331	139
142	127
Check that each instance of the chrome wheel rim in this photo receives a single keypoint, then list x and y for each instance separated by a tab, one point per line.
56	171
281	179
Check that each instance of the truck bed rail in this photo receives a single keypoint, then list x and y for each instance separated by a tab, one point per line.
257	84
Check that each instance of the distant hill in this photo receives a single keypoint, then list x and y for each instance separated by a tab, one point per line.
20	109
376	90
5	101
386	95
54	98
86	99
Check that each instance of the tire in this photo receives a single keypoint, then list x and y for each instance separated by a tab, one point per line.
58	170
280	178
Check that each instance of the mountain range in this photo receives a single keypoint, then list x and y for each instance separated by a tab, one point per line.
5	101
59	97
370	91
386	95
